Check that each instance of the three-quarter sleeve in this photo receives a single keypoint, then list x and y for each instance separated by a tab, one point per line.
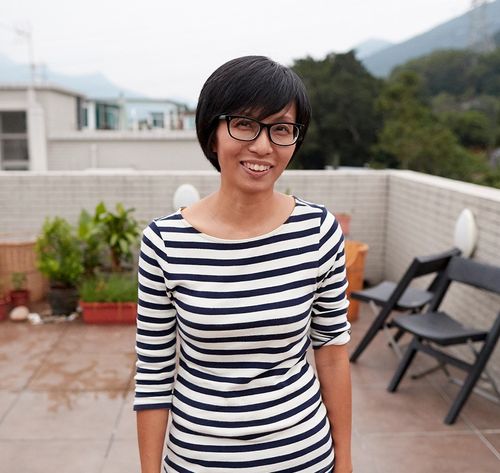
329	324
156	327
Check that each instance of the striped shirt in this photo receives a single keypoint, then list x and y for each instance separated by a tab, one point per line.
223	327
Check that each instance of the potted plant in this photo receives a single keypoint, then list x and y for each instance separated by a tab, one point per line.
108	293
89	233
344	219
119	233
19	295
59	258
109	298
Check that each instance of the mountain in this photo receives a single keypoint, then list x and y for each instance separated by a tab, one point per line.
371	46
91	85
453	34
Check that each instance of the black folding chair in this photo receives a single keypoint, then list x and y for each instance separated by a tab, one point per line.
439	328
389	296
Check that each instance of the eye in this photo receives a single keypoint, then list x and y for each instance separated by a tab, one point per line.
242	123
283	129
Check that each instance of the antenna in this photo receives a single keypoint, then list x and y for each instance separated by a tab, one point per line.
25	33
480	39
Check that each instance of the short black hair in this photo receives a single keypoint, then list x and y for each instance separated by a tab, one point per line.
244	85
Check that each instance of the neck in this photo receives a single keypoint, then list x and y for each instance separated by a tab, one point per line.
239	209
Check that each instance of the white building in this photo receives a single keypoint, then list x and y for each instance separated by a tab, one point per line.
52	128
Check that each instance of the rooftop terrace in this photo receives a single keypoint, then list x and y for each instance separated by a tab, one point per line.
66	389
66	394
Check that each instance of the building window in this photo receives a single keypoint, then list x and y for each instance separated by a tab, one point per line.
158	119
107	116
13	142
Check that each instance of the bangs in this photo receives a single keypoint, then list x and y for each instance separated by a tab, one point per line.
260	89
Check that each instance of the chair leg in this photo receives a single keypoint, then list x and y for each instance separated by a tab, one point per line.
377	325
399	334
410	353
473	376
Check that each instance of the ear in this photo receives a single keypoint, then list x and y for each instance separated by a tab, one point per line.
213	145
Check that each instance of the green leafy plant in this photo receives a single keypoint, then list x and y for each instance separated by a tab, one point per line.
18	280
59	253
119	232
89	233
112	287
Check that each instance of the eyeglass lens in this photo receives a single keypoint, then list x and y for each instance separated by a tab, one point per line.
247	129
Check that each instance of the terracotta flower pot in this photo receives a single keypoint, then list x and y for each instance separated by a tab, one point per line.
3	308
109	312
19	297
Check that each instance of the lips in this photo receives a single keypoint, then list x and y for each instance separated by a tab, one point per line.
255	173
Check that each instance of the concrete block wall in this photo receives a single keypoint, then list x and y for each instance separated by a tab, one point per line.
28	197
421	215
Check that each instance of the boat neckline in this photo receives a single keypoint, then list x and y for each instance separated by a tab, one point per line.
239	240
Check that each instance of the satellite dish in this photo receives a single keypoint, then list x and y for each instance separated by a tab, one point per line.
466	233
185	195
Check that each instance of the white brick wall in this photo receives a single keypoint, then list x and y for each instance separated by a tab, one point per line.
422	211
400	214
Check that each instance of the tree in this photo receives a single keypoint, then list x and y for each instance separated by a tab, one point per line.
344	124
413	136
472	128
450	71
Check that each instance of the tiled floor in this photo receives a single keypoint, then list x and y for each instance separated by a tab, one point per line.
66	394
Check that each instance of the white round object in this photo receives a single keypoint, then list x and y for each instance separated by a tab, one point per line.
466	233
185	195
19	313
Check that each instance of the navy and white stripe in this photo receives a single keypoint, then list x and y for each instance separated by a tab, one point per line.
242	396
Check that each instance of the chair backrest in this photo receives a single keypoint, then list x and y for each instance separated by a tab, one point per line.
421	266
473	273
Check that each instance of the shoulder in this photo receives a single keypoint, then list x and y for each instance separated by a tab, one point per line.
325	219
156	227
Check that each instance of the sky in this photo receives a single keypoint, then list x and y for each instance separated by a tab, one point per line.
168	48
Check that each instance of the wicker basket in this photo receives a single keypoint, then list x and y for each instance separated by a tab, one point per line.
17	254
355	255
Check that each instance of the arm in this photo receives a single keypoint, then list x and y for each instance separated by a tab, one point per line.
330	332
155	349
332	366
151	429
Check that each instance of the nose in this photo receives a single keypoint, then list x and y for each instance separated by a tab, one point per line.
262	144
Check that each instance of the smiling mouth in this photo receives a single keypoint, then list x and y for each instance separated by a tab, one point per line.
256	167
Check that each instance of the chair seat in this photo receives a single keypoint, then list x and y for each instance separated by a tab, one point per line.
412	298
438	327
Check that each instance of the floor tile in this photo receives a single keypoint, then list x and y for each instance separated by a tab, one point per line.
494	439
109	339
54	456
123	457
450	453
126	428
413	408
481	412
84	371
7	400
62	415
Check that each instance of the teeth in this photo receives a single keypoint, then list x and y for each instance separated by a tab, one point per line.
256	167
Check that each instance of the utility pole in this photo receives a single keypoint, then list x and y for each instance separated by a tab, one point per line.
35	115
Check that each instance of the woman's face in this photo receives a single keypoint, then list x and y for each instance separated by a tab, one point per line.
236	156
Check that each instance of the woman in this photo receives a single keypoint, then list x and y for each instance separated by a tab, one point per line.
247	278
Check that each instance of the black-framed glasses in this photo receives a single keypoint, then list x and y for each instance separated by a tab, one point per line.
244	128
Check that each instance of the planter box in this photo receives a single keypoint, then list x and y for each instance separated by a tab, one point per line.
355	255
17	254
109	312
